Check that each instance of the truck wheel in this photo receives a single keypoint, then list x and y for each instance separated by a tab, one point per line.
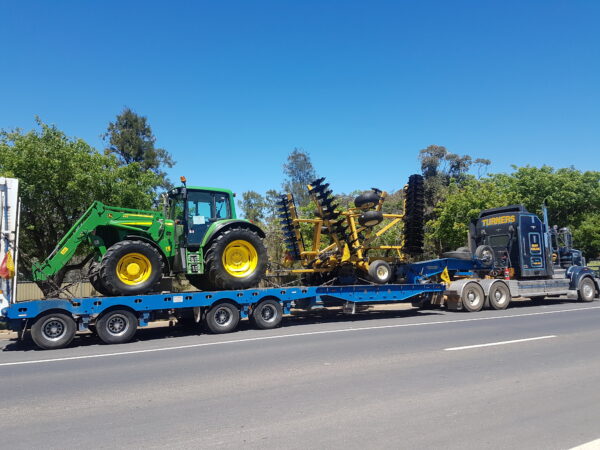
267	314
236	259
380	271
485	254
587	290
222	318
54	330
499	295
472	297
131	268
116	327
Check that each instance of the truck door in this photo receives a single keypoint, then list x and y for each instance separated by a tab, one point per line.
533	258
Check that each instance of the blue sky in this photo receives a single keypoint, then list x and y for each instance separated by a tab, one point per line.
231	87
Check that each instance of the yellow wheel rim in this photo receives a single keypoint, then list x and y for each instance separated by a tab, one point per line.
134	268
240	259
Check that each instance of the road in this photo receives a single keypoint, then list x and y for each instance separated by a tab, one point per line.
403	379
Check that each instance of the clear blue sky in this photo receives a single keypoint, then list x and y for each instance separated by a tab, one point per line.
230	88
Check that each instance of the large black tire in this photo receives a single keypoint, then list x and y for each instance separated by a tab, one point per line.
586	290
370	218
367	200
229	265
222	318
472	297
485	254
95	280
458	255
53	330
414	213
117	326
117	269
499	295
267	314
380	272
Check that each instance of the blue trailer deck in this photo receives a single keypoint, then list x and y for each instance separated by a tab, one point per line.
53	322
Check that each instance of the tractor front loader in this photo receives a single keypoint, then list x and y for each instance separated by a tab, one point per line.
197	234
346	245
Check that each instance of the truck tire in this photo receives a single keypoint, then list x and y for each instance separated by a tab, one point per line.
236	259
485	254
380	272
472	297
267	314
131	268
222	318
117	326
499	295
586	290
53	330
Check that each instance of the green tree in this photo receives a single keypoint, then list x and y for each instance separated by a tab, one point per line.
60	177
130	138
299	172
253	206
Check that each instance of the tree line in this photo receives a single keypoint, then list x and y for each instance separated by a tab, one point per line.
61	176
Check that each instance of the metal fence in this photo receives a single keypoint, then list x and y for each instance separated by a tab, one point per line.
30	291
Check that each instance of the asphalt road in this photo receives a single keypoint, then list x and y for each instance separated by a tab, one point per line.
376	380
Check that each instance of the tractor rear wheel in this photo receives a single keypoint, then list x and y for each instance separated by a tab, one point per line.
130	268
236	259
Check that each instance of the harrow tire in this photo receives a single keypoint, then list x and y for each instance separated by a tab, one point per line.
367	200
380	272
370	218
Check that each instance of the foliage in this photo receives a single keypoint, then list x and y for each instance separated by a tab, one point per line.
60	178
299	173
130	138
253	206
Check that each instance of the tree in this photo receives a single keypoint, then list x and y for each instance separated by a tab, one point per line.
253	206
60	177
299	172
130	138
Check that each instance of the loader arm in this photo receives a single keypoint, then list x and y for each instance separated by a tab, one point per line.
143	223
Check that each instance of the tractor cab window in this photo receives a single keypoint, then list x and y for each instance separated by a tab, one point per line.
204	208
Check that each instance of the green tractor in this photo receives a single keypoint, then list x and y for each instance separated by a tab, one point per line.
197	234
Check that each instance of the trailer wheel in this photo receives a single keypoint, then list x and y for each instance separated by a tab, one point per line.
222	318
116	327
587	290
472	297
54	330
499	295
380	271
267	314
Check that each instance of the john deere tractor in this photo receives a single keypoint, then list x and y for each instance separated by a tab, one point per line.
197	234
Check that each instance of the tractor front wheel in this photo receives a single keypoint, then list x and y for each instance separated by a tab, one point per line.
131	268
236	259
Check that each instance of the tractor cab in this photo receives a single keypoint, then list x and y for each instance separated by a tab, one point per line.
195	209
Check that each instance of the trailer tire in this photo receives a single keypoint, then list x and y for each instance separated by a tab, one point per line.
222	318
499	296
586	291
54	330
116	327
267	314
472	297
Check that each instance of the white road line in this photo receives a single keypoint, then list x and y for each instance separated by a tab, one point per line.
283	336
592	445
491	344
